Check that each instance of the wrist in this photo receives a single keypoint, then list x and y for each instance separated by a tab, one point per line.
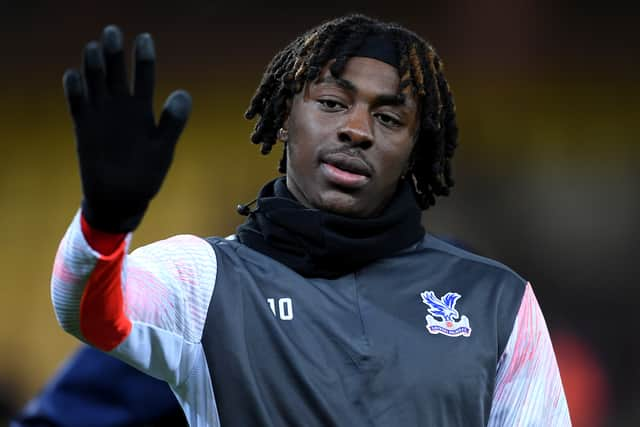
113	218
100	241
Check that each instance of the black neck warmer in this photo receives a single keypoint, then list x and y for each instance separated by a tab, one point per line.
315	243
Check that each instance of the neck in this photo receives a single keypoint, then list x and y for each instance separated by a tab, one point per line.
319	243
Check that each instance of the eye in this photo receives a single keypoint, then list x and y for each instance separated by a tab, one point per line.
388	120
331	105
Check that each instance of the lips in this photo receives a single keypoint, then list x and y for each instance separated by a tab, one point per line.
345	171
348	163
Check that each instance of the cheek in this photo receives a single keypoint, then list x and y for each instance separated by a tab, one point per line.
308	123
301	149
397	155
307	132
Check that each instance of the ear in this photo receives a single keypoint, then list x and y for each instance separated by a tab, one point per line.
283	134
411	161
407	170
285	124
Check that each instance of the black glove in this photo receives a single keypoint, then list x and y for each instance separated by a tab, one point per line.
124	156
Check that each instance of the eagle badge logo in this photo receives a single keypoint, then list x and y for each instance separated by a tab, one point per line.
450	322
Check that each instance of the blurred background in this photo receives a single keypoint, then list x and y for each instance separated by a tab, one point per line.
547	171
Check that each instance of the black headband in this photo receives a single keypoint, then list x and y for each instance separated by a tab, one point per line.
380	47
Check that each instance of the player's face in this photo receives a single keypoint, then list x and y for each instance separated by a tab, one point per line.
350	138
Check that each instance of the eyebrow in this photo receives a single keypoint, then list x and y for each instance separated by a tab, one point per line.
396	99
345	84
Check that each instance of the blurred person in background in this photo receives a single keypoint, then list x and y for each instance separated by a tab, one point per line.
93	388
8	403
331	305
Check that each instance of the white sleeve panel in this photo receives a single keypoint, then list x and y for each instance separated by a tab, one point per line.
528	387
196	394
75	261
167	287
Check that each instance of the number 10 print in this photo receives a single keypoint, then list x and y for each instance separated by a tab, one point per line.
285	308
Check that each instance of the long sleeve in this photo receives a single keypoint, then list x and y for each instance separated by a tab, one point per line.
528	386
147	308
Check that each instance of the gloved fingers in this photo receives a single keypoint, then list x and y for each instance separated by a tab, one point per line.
115	68
174	116
144	59
74	93
93	71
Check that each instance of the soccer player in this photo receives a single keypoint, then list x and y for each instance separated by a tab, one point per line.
331	305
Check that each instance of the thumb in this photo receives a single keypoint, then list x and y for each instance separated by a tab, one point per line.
174	116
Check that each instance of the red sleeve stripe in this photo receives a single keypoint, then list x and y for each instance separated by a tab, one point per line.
102	242
103	321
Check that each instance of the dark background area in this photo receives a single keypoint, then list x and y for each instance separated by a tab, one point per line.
547	97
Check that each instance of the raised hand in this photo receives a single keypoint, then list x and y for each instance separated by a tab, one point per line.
123	154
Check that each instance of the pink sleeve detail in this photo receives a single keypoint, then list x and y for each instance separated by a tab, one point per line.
166	289
528	386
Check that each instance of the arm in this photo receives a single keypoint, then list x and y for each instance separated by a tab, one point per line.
123	157
528	386
147	308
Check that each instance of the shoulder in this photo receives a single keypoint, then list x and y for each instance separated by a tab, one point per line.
464	260
181	258
176	249
500	289
178	243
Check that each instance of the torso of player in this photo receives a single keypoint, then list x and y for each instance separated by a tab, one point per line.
360	350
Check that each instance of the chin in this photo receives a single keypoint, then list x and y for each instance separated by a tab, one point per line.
345	204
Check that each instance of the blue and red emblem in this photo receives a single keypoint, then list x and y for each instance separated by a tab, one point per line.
445	309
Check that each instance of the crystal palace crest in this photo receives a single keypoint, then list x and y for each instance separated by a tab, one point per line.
444	318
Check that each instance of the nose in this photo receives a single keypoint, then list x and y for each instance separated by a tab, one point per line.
356	129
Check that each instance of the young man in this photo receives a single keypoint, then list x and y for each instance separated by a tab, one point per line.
331	306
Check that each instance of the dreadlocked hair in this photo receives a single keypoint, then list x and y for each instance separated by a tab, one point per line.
420	68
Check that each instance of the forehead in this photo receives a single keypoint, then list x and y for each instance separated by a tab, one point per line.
367	74
370	78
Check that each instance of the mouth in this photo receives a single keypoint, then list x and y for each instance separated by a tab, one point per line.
345	171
